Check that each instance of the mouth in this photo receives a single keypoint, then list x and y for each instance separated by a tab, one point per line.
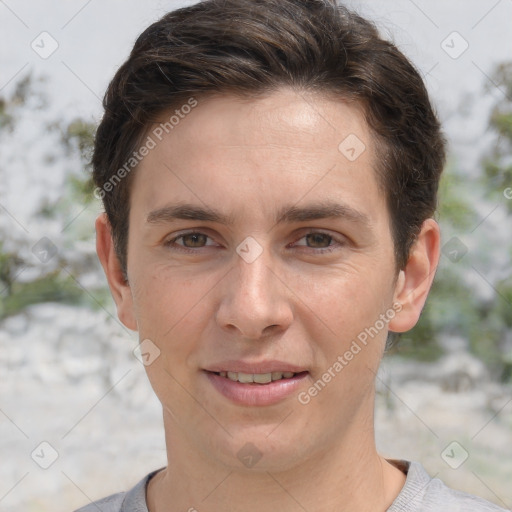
257	389
257	378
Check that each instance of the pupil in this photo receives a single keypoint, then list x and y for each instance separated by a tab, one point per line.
319	239
196	239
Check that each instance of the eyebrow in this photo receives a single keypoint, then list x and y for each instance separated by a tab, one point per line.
292	213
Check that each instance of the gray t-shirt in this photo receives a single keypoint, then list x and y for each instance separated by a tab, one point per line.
419	494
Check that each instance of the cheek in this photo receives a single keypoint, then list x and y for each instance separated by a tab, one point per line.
339	310
344	300
167	302
171	312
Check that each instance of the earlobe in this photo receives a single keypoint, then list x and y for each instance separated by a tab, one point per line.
415	280
119	287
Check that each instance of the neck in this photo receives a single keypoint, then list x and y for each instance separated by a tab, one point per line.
347	476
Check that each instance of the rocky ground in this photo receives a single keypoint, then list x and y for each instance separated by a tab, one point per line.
73	398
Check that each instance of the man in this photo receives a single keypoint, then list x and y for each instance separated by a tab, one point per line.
269	171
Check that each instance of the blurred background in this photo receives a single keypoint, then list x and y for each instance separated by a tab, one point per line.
78	419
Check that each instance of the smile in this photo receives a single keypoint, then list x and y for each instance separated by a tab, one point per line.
256	389
258	378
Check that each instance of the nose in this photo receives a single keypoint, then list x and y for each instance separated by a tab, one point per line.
255	300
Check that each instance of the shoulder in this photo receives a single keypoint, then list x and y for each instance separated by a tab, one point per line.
421	493
133	500
440	497
111	503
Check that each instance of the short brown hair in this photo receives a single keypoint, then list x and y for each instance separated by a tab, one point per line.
252	47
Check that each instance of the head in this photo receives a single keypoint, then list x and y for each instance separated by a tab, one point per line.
311	45
302	150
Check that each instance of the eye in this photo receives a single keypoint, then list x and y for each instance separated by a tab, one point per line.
322	242
191	240
318	240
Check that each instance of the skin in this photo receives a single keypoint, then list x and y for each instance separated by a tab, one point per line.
249	159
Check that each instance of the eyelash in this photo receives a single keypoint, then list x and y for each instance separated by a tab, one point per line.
171	244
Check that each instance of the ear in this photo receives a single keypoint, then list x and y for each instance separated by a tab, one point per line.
415	280
119	288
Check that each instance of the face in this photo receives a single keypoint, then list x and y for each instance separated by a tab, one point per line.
260	245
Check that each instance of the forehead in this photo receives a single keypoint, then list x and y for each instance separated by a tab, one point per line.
287	145
299	119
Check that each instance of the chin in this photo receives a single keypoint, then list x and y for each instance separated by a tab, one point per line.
258	449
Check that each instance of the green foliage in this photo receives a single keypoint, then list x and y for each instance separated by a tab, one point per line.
504	300
56	286
49	288
452	307
496	316
78	137
76	140
498	164
81	190
9	266
6	119
79	134
455	209
23	91
502	123
420	343
502	75
449	308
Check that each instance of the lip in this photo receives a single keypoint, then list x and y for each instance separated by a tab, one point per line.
253	394
256	367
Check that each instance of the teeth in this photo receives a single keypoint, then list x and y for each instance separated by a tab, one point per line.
259	378
262	378
246	378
